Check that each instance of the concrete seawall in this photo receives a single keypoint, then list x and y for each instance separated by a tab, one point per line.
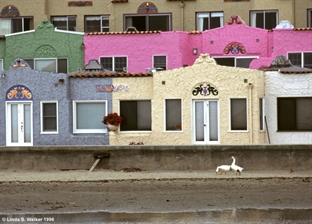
160	157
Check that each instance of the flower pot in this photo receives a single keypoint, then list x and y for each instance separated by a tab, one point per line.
112	127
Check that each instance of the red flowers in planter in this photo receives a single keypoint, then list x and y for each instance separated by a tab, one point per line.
113	119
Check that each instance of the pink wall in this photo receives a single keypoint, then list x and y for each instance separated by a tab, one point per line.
178	45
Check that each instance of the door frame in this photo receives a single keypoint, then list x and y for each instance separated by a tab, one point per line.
8	123
206	121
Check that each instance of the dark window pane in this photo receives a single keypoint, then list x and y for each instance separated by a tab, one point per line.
238	114
225	61
159	23
259	20
28	24
72	23
243	62
49	117
286	114
160	62
17	25
107	63
215	22
173	114
270	20
62	65
307	58
295	58
120	63
139	22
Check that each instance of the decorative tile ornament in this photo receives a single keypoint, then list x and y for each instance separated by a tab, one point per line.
79	3
147	8
234	20
205	89
19	63
9	11
18	92
112	88
234	48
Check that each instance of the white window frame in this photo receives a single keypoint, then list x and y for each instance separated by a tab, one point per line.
42	115
165	118
100	18
8	28
230	113
253	17
125	69
79	131
201	15
239	57
160	56
64	18
302	57
34	60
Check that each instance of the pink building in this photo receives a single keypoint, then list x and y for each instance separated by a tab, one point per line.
234	44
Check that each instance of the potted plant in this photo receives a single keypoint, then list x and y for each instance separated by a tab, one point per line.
113	120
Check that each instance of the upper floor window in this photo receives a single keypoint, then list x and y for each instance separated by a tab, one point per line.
49	117
208	20
160	62
87	114
117	64
148	22
15	25
96	24
238	114
136	115
58	65
240	62
309	17
64	22
294	114
301	59
264	19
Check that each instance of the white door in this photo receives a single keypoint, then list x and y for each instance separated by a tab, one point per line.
206	122
19	124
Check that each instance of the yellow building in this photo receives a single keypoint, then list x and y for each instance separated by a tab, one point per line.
201	104
165	15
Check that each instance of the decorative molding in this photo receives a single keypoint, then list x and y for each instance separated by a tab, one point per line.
9	11
234	48
18	92
112	88
234	20
45	51
147	8
80	3
19	63
205	58
205	89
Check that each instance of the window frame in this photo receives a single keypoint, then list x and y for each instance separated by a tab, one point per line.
31	23
125	69
166	62
199	15
1	65
296	115
67	22
302	59
309	17
147	16
88	131
230	114
235	59
252	18
42	116
121	129
32	63
165	116
101	28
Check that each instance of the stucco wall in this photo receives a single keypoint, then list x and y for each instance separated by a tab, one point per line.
285	85
45	42
179	84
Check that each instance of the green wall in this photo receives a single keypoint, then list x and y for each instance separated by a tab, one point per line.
45	42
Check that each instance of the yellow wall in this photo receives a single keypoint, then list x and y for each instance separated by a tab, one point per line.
179	83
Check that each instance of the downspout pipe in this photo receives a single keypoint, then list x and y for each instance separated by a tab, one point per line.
182	14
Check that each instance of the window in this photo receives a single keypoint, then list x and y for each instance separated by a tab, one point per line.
87	116
309	17
294	114
1	65
173	115
96	24
136	115
64	22
261	113
241	62
209	20
49	117
15	25
160	62
238	114
148	22
58	65
263	19
117	64
301	59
